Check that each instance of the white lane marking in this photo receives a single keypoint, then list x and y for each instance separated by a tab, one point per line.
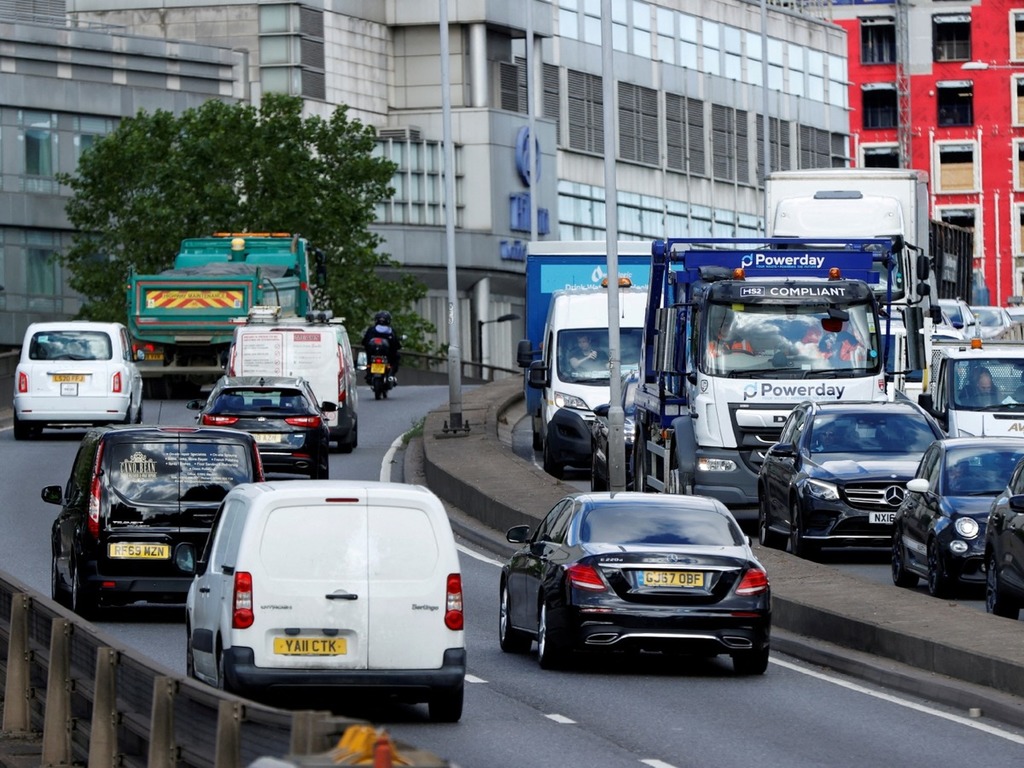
474	679
478	556
657	764
389	459
991	730
561	719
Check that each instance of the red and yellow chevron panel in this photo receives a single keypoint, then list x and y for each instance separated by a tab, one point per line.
195	299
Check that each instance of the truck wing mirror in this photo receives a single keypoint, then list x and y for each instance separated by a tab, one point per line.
925	401
524	353
537	376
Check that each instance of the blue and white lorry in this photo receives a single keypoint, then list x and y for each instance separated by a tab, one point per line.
566	296
704	414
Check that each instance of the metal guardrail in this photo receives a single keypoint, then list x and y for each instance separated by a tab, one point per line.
101	705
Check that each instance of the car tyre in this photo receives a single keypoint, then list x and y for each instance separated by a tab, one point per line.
445	706
765	535
222	680
80	603
939	583
551	653
597	483
57	592
138	415
538	443
552	467
190	657
798	545
750	662
996	601
901	577
22	431
510	639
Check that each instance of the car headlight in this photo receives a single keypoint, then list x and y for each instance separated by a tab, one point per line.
563	400
819	489
716	465
967	527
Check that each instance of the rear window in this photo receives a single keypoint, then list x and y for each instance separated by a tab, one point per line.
162	472
254	401
653	523
70	345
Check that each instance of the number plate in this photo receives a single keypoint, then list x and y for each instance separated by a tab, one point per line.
154	355
133	550
60	378
266	437
376	367
881	518
310	646
68	390
689	579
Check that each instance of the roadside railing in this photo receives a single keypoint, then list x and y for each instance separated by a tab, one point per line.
99	704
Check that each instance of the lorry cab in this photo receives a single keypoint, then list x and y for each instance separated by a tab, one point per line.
977	389
573	373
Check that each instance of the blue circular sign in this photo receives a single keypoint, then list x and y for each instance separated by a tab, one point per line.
523	155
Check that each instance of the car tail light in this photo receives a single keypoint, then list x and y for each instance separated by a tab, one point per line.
453	618
22	382
115	383
93	523
582	576
257	464
303	421
241	615
341	378
212	420
754	582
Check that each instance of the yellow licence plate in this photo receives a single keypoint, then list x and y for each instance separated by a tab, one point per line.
266	437
154	355
377	368
310	646
129	550
61	378
673	579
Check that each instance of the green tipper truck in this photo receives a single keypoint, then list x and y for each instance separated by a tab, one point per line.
182	320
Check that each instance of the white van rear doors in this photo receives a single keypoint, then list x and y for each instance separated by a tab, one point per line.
311	596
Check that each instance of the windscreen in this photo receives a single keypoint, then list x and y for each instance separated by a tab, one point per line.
988	383
790	341
583	353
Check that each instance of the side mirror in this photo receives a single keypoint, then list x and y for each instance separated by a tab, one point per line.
1017	503
328	407
918	485
195	405
185	558
52	494
783	450
524	353
925	401
537	375
602	410
518	534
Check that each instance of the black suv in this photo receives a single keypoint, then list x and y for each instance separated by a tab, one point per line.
134	495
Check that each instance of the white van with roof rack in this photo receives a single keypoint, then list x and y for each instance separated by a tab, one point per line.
316	348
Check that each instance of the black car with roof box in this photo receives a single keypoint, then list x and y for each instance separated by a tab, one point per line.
135	493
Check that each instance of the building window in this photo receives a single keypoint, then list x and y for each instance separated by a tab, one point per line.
880	156
586	112
955	101
41	267
291	49
1018	164
951	38
418	180
684	134
729	151
638	124
89	130
1017	46
781	157
881	109
815	147
552	104
1018	245
711	35
39	133
877	40
1017	84
957	167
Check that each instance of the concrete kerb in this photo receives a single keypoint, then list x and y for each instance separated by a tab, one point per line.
976	654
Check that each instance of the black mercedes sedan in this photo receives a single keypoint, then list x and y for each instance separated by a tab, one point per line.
1004	549
281	413
630	572
838	473
939	530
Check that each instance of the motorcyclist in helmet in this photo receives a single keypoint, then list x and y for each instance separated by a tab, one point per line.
382	329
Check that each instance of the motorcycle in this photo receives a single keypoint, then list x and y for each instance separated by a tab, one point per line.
378	367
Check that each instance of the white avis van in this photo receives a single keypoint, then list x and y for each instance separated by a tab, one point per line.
322	585
315	348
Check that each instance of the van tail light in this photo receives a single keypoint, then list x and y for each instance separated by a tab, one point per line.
257	463
583	576
754	582
93	523
22	382
241	615
341	378
303	421
453	618
115	383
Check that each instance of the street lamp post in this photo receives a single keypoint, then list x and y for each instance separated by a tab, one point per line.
480	336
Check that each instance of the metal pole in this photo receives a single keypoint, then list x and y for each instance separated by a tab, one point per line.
766	134
616	416
454	352
531	117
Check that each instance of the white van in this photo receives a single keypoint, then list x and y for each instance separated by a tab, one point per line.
322	585
571	388
316	348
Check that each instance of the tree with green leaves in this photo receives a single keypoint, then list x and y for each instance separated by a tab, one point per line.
159	178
